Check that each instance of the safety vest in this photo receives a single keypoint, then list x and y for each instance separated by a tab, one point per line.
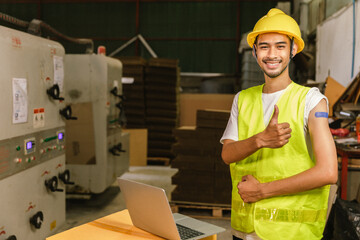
291	217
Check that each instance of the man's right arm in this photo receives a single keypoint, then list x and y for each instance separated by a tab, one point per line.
275	135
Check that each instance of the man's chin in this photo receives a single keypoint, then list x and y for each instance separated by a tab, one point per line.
272	75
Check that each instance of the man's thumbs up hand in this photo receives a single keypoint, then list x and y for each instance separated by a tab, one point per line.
274	118
275	134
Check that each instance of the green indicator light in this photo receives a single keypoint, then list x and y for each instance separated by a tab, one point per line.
50	139
114	121
18	148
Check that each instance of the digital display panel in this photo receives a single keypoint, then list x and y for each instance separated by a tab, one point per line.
29	145
60	136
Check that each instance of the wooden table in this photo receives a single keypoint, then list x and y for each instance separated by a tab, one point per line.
115	226
345	153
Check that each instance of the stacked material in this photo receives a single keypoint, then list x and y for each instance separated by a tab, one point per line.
161	97
202	177
251	73
134	91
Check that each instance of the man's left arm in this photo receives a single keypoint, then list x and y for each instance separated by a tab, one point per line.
324	172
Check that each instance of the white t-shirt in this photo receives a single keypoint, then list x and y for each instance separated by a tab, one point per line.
313	97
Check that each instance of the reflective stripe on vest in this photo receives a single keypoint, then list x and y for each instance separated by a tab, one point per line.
301	216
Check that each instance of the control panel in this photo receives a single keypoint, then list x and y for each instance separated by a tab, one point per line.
20	153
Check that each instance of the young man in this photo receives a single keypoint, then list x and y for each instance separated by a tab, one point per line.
281	153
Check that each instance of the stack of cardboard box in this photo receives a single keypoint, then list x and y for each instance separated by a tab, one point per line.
134	91
202	177
161	97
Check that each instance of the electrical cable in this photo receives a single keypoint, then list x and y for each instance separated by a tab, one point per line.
13	20
34	27
83	41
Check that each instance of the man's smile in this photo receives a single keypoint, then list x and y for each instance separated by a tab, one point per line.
272	64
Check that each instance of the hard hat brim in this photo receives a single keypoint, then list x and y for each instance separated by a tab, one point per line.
252	36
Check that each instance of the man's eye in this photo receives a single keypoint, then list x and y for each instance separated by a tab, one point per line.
281	47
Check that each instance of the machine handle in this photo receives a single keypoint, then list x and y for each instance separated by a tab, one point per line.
119	147
65	177
114	92
113	151
37	220
119	105
52	184
67	113
54	92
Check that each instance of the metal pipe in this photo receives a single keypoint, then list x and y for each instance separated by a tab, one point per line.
123	46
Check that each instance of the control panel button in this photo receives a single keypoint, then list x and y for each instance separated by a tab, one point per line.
29	145
60	136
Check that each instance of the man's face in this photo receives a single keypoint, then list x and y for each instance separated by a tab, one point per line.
273	53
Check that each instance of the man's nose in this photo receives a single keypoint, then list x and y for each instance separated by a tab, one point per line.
272	52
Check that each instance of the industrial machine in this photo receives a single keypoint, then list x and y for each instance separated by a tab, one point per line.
32	136
96	148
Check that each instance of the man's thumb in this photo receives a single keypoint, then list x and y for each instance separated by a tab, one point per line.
274	118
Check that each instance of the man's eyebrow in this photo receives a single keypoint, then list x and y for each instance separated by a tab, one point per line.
277	43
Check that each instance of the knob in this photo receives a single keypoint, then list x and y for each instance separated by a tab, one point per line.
119	105
54	92
119	147
37	220
12	237
114	92
65	177
52	184
67	113
113	151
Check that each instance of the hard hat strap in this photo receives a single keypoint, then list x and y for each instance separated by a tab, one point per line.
254	48
291	48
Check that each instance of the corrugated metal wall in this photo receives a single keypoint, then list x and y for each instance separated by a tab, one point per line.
203	35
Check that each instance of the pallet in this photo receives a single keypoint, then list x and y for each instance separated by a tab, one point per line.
202	210
163	161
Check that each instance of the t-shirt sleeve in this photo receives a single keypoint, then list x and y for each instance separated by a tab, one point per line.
231	130
313	97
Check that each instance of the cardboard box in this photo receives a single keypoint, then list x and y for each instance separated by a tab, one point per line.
138	146
80	136
333	92
190	103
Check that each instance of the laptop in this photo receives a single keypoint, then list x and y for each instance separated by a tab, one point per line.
149	210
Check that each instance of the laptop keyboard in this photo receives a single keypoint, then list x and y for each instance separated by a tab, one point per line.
187	233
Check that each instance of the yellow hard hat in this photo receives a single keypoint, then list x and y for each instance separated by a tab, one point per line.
277	21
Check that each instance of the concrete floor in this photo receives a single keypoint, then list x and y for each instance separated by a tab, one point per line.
82	211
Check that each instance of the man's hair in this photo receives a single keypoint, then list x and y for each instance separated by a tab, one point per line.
256	39
291	45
